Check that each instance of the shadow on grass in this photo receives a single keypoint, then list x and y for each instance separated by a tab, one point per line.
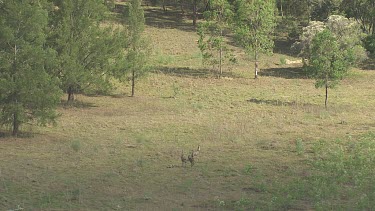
369	64
77	104
172	19
119	96
155	17
193	73
285	72
280	103
21	134
283	46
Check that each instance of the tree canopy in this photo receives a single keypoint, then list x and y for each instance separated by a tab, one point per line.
27	91
138	50
212	41
347	32
328	62
87	50
255	23
48	47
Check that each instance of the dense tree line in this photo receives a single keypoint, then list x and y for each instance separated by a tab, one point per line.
27	90
328	48
51	47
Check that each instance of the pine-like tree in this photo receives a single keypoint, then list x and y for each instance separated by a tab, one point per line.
211	35
27	91
87	50
138	49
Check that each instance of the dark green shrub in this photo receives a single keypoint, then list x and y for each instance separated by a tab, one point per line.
370	43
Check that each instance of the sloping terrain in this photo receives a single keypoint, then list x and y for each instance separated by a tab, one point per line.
122	153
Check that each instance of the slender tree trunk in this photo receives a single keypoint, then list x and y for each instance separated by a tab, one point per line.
207	7
281	9
256	60
220	62
373	18
164	6
133	83
309	11
16	124
182	7
195	13
70	94
221	56
256	47
325	103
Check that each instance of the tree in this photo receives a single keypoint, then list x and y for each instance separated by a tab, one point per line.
211	38
195	12
328	63
110	4
27	91
302	46
347	32
369	43
138	50
363	11
296	9
302	10
87	50
322	9
163	4
255	23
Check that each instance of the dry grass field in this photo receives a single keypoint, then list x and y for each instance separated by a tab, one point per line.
257	137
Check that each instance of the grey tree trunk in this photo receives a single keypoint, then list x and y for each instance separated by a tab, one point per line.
195	13
164	6
133	83
256	61
326	100
70	94
220	57
16	124
182	7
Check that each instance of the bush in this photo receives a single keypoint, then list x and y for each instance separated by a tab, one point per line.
341	177
359	54
369	43
347	32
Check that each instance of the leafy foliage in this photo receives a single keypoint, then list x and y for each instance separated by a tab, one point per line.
340	177
87	51
328	63
370	43
211	35
255	23
298	9
363	11
303	45
347	32
138	49
27	91
322	9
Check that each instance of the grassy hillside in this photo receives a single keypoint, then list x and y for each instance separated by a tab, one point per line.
263	142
